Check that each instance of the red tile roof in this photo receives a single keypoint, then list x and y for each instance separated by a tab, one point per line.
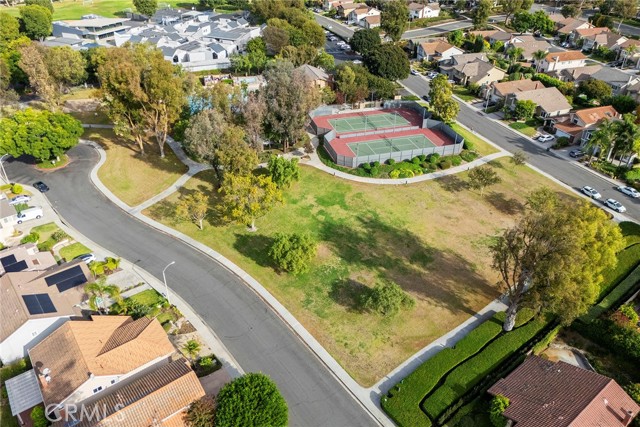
546	394
594	115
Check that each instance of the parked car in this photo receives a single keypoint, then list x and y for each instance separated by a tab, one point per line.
546	138
30	213
414	73
615	205
22	198
629	191
426	98
576	154
87	258
41	187
432	75
591	192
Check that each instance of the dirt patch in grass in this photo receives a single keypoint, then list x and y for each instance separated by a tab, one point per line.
430	238
131	176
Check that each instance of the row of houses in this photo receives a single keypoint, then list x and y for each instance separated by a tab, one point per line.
369	17
196	40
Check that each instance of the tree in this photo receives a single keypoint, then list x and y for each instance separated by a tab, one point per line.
248	197
387	298
442	103
38	417
456	37
252	400
99	291
522	21
191	348
388	61
39	133
254	111
538	56
519	158
146	7
394	18
510	7
289	100
209	137
623	104
570	11
257	53
275	39
347	85
193	207
67	67
9	29
365	41
47	4
293	252
627	139
325	61
482	177
36	22
33	65
481	13
201	413
241	63
626	9
595	89
498	405
524	109
601	139
541	22
514	54
552	260
282	171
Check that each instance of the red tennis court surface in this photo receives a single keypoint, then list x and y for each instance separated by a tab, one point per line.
411	116
437	137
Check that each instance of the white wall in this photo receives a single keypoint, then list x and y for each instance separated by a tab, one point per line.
27	336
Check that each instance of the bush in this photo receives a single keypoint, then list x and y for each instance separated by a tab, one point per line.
455	160
375	164
387	298
16	189
375	171
391	162
38	417
561	142
630	313
58	236
468	145
201	413
416	160
445	163
498	405
620	340
632	175
293	252
32	237
468	156
366	166
434	158
422	157
394	174
45	246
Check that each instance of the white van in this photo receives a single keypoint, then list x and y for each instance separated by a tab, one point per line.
30	213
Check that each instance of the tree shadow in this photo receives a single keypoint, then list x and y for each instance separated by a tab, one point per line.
509	206
444	278
255	247
165	210
349	293
452	183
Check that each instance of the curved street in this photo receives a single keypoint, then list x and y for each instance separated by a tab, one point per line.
256	337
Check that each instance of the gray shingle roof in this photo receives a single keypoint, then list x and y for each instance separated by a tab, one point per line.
612	75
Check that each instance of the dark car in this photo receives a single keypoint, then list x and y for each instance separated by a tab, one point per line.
426	98
576	154
41	187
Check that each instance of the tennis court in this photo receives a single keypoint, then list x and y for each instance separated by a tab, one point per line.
368	122
387	145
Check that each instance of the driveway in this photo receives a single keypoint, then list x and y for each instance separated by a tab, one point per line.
256	337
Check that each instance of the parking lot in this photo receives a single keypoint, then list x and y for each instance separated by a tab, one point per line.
341	55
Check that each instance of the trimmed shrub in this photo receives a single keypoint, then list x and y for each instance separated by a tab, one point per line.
391	162
32	237
375	164
434	158
366	166
394	174
632	175
631	282
422	157
455	160
416	160
445	163
38	417
58	236
375	171
468	156
16	189
498	405
293	252
561	142
47	245
387	299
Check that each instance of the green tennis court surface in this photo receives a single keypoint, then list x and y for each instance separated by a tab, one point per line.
387	145
368	122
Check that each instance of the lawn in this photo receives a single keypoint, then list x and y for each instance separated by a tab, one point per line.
45	230
431	238
480	145
79	93
464	93
131	176
73	250
529	127
91	117
74	9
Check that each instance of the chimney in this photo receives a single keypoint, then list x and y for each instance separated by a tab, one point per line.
628	416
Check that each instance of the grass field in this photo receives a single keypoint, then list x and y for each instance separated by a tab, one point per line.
431	238
74	9
480	145
130	176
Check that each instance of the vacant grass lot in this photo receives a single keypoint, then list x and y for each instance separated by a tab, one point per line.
74	9
131	176
431	238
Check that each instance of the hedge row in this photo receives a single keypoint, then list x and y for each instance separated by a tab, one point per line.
615	296
403	401
620	340
631	231
628	259
472	371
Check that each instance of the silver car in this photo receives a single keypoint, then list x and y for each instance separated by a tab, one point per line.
591	192
22	198
615	205
629	191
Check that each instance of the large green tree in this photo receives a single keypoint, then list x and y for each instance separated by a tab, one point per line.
442	103
293	252
257	53
552	260
283	171
394	19
365	41
252	400
67	67
481	13
39	133
35	22
388	61
146	7
193	207
595	89
32	63
9	29
246	198
47	4
511	7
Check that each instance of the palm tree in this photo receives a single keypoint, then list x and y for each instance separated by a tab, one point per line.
629	51
99	291
601	139
538	56
627	136
514	53
192	348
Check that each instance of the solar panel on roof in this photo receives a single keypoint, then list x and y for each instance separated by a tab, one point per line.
39	304
67	279
8	260
18	266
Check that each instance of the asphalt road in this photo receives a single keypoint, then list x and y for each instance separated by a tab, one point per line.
562	169
340	55
256	337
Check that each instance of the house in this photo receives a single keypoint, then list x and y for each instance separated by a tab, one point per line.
419	10
25	257
576	75
8	218
607	39
192	51
36	302
586	36
528	44
92	27
617	79
556	61
327	5
371	22
316	76
357	15
437	50
550	101
629	51
546	393
567	25
580	124
497	92
345	9
471	68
